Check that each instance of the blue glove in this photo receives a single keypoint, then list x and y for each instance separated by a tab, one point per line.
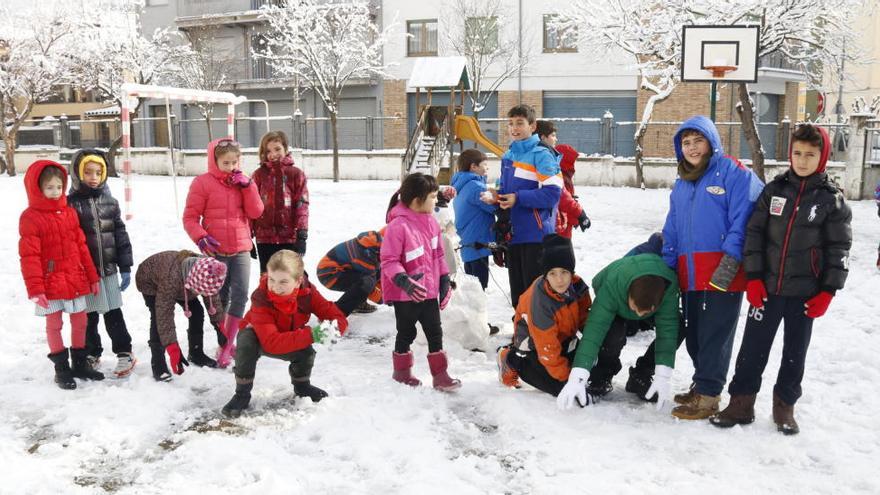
126	280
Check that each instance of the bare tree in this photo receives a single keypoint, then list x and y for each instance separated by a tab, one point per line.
486	34
325	46
205	68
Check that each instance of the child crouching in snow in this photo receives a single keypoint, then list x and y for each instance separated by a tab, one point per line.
415	278
57	268
179	277
275	326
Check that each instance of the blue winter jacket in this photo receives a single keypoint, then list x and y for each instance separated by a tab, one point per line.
533	173
473	218
707	218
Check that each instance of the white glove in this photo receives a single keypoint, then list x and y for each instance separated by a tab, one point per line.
661	386
575	389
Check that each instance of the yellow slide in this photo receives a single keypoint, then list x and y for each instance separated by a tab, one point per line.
468	129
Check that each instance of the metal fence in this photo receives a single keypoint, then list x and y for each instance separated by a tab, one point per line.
872	143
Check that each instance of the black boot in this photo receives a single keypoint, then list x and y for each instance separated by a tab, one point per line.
157	362
198	357
63	375
600	386
240	401
639	382
306	389
82	368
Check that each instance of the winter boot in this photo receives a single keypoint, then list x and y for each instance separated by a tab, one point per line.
493	329
198	357
306	389
403	364
506	375
639	382
157	362
241	400
442	381
365	308
63	375
739	411
783	416
124	364
600	386
81	367
701	407
687	397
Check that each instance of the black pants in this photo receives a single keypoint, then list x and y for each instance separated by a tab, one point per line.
531	371
523	267
427	313
754	351
480	269
114	323
248	351
194	329
356	287
265	251
608	363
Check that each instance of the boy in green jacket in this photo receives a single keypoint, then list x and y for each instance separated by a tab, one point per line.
631	288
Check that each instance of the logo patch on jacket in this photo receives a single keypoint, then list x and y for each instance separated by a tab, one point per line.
812	213
777	204
716	190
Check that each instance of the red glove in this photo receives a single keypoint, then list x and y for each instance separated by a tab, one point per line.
41	301
342	325
818	304
96	288
176	357
756	293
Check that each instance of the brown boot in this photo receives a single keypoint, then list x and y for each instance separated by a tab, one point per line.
701	407
687	397
739	411
783	416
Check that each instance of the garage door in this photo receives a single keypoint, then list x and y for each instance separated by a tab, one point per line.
584	136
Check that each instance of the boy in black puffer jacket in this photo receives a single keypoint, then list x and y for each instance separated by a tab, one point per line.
796	257
110	247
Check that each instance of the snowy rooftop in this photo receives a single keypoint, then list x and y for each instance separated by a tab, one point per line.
439	72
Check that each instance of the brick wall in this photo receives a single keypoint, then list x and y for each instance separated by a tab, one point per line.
394	104
508	100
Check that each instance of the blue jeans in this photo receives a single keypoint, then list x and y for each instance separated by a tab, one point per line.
234	294
710	321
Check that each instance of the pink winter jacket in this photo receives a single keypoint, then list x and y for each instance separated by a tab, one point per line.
224	211
411	245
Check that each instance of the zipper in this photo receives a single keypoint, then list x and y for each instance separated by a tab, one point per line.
538	219
797	203
98	233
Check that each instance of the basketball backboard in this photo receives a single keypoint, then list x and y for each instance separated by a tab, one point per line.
719	53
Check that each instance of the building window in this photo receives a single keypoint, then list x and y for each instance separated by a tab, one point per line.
481	34
558	39
422	40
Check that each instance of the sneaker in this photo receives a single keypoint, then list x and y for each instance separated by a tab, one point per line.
365	308
94	361
506	375
124	364
163	376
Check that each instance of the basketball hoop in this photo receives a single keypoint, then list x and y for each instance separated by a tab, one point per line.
718	71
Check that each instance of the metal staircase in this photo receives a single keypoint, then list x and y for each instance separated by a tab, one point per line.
427	153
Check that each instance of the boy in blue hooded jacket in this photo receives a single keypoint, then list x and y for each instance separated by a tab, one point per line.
703	237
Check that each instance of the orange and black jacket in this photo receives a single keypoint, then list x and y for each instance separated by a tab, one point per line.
360	254
546	321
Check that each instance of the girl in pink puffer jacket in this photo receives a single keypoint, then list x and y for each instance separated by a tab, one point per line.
415	278
219	208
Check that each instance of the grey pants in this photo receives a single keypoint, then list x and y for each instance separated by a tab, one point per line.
234	294
248	351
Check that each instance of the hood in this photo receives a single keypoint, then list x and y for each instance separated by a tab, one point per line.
212	162
525	145
569	157
36	199
823	157
460	179
400	210
704	126
78	162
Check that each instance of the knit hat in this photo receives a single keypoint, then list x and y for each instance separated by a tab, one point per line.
558	253
205	278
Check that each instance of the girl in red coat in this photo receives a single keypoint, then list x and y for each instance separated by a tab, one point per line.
285	220
219	208
57	268
275	326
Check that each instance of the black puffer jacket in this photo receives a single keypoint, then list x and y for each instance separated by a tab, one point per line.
799	236
100	220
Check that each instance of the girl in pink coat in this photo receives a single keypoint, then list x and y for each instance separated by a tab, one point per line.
219	208
415	278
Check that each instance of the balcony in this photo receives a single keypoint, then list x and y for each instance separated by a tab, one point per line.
204	13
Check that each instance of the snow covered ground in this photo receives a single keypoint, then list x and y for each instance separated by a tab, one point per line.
375	436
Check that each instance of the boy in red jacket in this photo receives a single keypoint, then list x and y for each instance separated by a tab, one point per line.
275	326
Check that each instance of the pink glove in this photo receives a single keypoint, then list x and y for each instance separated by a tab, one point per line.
818	304
176	357
41	301
226	353
208	245
239	179
756	293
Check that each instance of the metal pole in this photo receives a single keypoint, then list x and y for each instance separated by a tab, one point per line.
126	154
169	124
713	99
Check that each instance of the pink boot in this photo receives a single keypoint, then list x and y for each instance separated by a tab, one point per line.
442	381
229	327
403	364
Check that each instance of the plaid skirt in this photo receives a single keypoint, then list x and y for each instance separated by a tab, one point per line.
108	298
